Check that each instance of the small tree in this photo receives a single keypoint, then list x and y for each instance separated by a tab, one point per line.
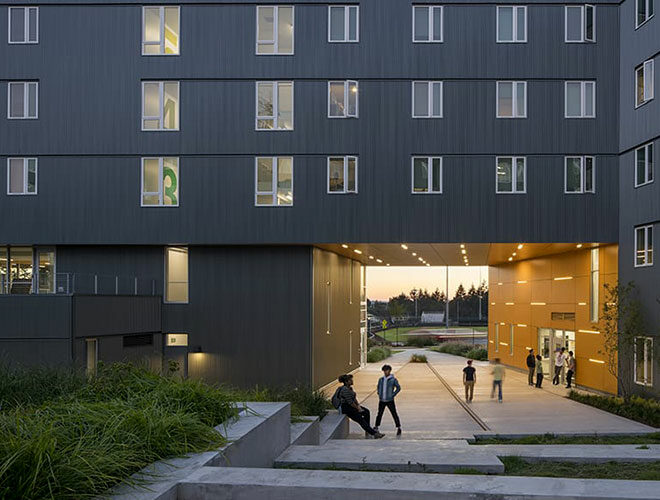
622	321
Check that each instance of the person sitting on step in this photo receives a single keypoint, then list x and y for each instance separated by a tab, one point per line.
352	409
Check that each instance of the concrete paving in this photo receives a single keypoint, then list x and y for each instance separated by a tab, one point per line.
579	453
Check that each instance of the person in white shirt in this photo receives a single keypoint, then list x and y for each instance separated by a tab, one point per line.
560	359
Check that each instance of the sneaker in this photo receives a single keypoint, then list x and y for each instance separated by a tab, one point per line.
398	431
378	435
366	435
376	428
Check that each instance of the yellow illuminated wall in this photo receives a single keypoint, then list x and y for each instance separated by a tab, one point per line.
526	293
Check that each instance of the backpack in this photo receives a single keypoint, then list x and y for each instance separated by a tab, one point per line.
336	402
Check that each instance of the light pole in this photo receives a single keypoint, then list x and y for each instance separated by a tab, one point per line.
447	297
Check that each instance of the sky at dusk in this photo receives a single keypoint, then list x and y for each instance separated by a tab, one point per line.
386	282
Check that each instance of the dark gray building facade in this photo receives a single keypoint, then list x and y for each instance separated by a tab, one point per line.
201	151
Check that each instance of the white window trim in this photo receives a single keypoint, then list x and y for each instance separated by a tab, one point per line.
25	176
347	84
161	100
273	191
514	24
26	98
26	21
276	107
514	174
647	262
514	97
429	185
346	160
646	148
648	18
583	177
648	377
167	280
430	9
275	42
647	65
161	44
429	89
161	188
346	24
583	23
583	101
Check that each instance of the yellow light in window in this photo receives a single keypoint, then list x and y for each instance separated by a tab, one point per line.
589	331
599	361
501	323
508	303
492	303
500	283
503	343
521	325
582	303
537	303
561	278
522	282
490	341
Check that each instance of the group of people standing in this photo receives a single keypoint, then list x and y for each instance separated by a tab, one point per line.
560	361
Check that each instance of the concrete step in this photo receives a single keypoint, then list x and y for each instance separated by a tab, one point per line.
579	453
273	484
400	456
305	431
333	426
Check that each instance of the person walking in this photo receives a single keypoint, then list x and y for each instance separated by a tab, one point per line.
570	364
539	370
531	366
560	359
469	379
352	409
498	377
388	387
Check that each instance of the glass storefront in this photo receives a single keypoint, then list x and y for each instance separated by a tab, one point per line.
550	340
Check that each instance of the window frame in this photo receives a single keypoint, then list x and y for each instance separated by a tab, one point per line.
429	184
644	67
161	107
583	101
26	98
26	160
26	25
647	16
347	85
161	191
346	159
429	90
166	281
276	107
648	166
514	23
583	23
594	291
648	360
583	176
275	41
514	174
347	9
273	191
429	10
514	98
161	43
648	245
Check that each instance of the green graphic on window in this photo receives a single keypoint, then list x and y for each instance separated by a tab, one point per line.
169	188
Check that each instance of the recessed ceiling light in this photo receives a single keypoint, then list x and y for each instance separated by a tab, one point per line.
462	246
463	252
379	261
510	259
428	265
371	257
420	259
520	246
387	264
357	251
514	254
405	247
579	245
414	254
344	246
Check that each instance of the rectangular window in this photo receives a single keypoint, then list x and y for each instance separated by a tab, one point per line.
511	24
426	174
275	30
644	83
511	340
580	174
580	23
511	99
343	23
644	246
23	24
497	337
343	99
643	361
511	174
176	274
427	23
427	99
21	176
644	165
594	285
160	105
22	100
274	106
644	12
274	181
160	31
160	182
92	348
342	174
580	99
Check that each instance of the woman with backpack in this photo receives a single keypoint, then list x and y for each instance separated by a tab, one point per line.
345	399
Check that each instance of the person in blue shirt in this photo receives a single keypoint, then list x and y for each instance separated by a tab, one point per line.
388	387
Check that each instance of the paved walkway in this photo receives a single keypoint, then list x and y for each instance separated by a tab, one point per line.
428	410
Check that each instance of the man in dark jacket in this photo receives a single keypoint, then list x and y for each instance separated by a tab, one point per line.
531	363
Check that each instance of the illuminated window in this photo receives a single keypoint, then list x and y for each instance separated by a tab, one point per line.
594	285
274	106
274	181
160	182
92	348
511	99
644	12
343	23
426	174
427	23
497	337
342	174
427	99
511	24
579	99
160	105
644	165
275	30
511	340
176	274
23	100
643	361
21	176
343	99
511	174
160	31
644	246
644	83
23	24
580	23
579	174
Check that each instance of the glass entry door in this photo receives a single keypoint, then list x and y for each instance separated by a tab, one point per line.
551	340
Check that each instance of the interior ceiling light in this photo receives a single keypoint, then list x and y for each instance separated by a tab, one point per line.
462	246
387	264
510	259
405	247
414	254
371	257
520	246
379	261
514	254
428	265
463	251
357	251
344	245
420	259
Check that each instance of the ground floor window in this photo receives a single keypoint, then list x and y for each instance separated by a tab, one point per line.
92	356
176	274
643	361
25	270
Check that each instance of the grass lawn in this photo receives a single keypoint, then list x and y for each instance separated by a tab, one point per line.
645	471
653	438
390	333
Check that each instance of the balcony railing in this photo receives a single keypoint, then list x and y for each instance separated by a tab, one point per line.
80	283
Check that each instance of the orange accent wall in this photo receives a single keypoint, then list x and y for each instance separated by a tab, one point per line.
525	294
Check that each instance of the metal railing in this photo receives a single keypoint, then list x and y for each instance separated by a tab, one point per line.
103	284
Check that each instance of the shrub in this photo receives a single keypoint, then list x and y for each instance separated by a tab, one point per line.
418	358
455	348
417	341
33	386
304	400
378	354
646	411
478	353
